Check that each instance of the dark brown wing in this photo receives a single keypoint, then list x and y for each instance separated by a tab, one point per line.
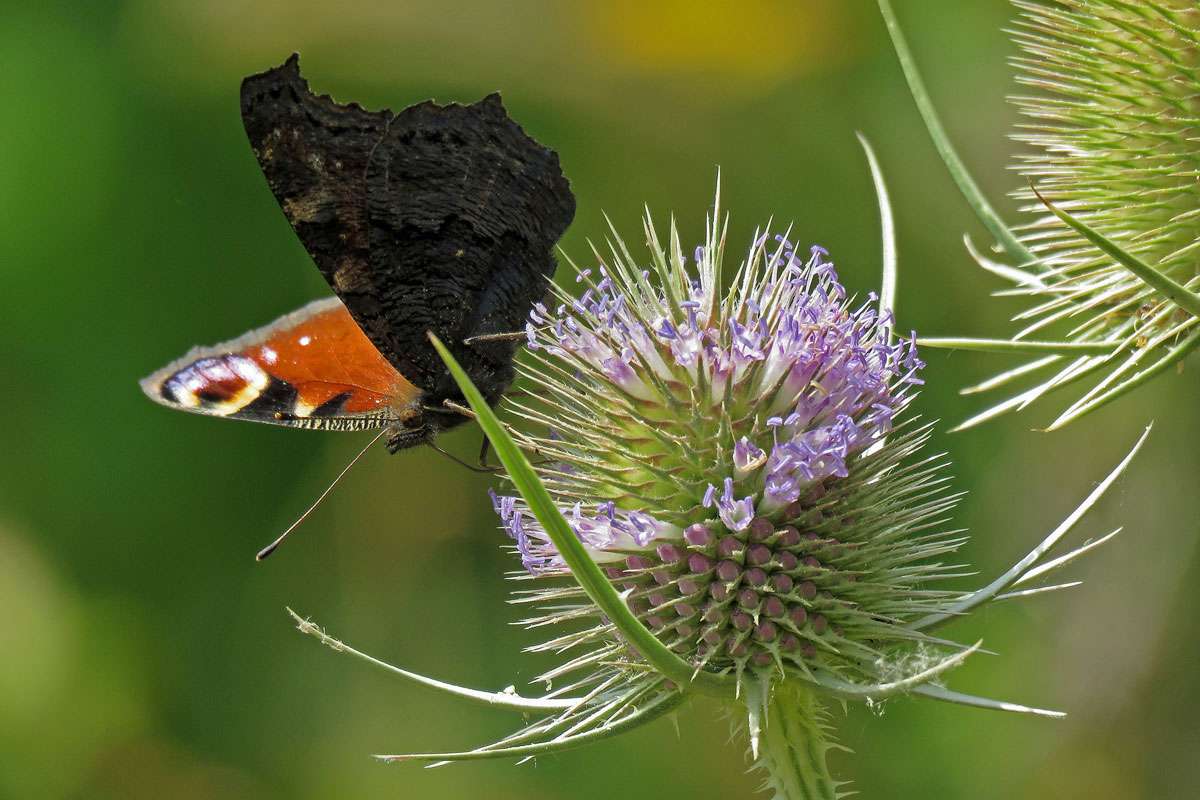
439	218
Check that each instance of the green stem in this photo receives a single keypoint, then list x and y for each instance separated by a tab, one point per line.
941	142
794	744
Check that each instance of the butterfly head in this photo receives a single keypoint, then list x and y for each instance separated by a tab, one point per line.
411	427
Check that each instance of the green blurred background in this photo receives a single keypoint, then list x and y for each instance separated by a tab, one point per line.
143	653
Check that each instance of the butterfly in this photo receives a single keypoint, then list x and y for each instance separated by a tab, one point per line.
437	219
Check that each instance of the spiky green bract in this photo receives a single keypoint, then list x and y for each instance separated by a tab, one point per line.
1112	123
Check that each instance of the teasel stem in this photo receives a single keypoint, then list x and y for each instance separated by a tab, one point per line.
794	744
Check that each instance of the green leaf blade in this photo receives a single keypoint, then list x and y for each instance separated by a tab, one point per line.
582	567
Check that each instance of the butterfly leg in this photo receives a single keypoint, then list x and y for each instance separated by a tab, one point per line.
481	467
512	336
484	446
456	408
450	407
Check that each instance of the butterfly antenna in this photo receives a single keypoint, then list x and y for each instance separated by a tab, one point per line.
266	551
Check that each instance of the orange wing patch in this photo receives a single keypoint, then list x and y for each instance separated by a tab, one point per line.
326	355
313	368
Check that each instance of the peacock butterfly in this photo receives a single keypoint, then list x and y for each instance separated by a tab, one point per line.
437	219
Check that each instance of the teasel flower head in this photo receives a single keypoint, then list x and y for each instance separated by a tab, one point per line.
1107	259
725	494
720	454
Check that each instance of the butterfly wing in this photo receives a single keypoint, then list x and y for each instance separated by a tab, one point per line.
313	368
439	218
